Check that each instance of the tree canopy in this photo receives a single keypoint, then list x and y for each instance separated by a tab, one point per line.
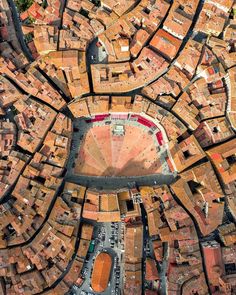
23	5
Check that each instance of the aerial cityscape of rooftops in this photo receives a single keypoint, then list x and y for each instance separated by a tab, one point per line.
118	147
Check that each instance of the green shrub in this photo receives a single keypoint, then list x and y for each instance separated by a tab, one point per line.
23	5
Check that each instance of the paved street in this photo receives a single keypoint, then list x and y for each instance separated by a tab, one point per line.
96	54
107	238
114	183
19	33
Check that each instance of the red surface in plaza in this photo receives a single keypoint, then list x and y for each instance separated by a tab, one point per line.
105	154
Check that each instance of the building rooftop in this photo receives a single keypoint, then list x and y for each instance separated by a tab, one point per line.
101	272
117	147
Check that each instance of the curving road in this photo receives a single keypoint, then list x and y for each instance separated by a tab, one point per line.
19	32
116	183
109	183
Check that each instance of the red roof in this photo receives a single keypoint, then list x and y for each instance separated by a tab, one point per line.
34	9
101	272
166	44
159	137
98	118
151	270
213	261
24	15
170	164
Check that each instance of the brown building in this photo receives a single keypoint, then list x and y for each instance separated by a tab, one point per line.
101	272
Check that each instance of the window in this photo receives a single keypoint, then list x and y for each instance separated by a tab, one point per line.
146	10
231	159
194	186
215	130
32	119
130	205
140	68
186	154
84	12
74	200
46	244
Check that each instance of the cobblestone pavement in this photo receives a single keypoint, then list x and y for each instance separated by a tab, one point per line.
112	183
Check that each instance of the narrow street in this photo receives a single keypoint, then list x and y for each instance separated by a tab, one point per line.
19	33
103	232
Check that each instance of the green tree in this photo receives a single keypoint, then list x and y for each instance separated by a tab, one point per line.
23	5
